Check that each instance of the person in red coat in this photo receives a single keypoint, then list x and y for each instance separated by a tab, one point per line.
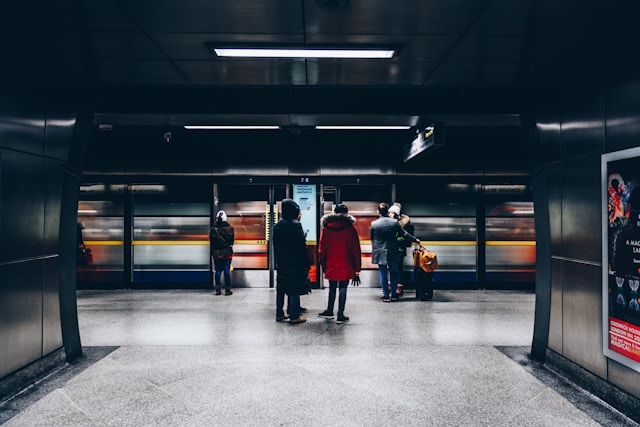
340	257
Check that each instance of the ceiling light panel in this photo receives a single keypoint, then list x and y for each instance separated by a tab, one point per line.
333	52
207	127
363	127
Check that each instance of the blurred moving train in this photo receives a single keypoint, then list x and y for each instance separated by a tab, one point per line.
156	234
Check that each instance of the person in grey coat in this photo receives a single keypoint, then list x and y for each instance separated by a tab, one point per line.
384	233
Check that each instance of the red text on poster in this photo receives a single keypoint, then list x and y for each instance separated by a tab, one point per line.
624	338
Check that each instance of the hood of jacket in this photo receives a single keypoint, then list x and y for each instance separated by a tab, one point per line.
290	209
337	221
404	220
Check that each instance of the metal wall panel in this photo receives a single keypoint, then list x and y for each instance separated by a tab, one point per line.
20	130
59	132
581	205
554	194
623	116
53	178
32	176
548	127
623	377
22	206
582	316
555	313
51	330
573	186
20	315
583	124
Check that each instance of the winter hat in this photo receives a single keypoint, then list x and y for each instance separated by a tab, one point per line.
222	216
341	209
395	209
290	209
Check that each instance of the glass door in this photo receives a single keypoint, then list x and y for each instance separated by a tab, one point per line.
170	243
249	211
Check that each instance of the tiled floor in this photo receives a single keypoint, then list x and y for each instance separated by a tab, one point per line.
190	358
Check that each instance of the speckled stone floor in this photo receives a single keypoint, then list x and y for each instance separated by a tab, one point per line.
190	358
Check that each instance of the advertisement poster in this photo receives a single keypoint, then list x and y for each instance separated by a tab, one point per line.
621	256
305	196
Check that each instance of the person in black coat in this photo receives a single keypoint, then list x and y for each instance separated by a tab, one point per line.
292	262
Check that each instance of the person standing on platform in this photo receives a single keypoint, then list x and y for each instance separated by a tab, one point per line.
80	247
384	234
292	262
340	257
395	212
221	238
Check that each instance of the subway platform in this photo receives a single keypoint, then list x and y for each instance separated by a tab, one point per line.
190	358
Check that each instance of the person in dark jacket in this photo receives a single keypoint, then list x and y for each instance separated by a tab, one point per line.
340	257
395	212
221	238
384	233
292	262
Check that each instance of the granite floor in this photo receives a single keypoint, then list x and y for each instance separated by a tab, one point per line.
190	358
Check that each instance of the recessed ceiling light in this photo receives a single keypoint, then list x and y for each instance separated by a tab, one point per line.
231	127
363	127
304	51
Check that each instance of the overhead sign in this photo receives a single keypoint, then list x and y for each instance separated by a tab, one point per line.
429	138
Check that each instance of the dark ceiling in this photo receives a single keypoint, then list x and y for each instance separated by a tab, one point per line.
462	62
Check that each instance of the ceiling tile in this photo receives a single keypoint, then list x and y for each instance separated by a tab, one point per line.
244	72
206	16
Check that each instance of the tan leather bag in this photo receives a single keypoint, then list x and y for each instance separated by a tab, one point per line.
425	259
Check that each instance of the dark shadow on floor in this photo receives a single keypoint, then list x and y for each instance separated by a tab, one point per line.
18	403
597	409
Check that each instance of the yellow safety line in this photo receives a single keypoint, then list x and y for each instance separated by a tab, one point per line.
511	243
437	242
103	242
169	242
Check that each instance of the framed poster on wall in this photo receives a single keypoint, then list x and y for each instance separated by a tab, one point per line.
621	256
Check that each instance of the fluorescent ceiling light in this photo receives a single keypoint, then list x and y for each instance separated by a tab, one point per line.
232	127
305	52
364	127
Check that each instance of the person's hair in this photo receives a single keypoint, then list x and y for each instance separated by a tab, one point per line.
383	208
341	209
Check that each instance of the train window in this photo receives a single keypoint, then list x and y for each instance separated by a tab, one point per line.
249	219
510	241
170	242
168	209
103	232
